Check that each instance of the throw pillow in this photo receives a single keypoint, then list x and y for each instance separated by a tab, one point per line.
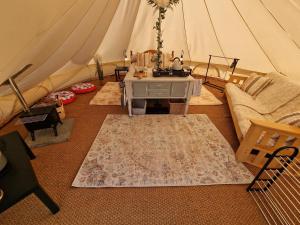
255	84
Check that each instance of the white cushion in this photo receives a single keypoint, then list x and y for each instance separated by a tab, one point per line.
255	84
279	93
244	114
239	97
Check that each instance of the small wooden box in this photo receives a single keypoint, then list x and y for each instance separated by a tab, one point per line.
139	106
177	106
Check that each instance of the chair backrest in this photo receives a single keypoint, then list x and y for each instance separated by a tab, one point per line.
151	51
146	58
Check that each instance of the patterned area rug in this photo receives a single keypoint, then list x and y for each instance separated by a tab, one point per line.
160	150
110	95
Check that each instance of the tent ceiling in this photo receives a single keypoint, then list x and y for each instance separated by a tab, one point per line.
264	34
50	33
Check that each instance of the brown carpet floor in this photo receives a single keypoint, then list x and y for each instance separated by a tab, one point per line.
56	166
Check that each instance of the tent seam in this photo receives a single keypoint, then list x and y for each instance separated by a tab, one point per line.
129	41
59	47
294	4
256	38
184	27
215	32
93	29
288	34
49	28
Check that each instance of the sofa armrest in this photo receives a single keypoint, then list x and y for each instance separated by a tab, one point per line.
237	79
263	138
278	127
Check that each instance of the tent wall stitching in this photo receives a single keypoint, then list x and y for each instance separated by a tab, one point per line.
294	4
288	34
248	27
215	32
54	51
49	28
133	24
184	27
95	26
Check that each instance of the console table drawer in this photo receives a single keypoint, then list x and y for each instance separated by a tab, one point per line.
179	89
159	89
157	85
139	89
158	92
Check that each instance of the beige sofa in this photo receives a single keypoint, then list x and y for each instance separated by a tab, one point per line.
254	117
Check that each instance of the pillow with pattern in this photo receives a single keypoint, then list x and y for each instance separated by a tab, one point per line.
255	84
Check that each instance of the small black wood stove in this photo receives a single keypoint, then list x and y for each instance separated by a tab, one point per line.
41	118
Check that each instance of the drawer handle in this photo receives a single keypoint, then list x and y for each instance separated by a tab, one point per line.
159	85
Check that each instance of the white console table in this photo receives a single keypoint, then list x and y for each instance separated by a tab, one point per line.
158	88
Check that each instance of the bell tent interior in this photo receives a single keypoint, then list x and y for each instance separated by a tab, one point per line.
150	112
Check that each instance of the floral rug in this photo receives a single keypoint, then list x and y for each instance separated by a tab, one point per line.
110	94
160	150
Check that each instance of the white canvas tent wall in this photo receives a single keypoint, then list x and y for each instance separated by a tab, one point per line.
60	37
262	33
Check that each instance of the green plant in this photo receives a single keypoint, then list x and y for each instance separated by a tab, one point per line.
99	69
162	6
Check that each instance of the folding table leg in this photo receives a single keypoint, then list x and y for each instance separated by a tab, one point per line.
45	198
32	135
55	131
28	150
116	75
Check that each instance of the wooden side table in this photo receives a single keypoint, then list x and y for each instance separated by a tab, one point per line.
119	69
18	179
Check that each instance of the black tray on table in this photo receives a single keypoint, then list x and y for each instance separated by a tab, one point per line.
171	73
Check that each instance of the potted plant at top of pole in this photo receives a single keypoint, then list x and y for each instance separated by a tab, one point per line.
162	6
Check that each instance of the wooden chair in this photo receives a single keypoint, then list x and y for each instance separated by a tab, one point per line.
151	51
